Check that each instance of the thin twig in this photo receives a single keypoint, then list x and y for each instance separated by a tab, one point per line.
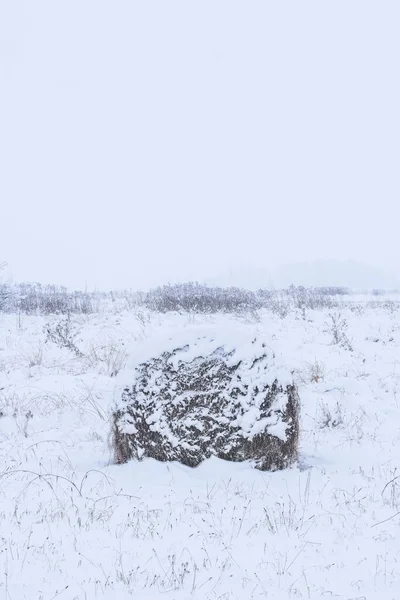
389	519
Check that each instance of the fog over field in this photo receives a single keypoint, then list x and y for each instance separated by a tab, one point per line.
150	142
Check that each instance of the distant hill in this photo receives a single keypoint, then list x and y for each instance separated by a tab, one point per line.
347	273
337	273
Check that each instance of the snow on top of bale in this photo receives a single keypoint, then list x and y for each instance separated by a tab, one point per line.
203	339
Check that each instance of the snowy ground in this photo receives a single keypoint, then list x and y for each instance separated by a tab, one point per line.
75	526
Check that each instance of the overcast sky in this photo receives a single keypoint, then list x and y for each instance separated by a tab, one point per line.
145	141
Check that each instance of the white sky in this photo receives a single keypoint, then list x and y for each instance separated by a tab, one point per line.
145	141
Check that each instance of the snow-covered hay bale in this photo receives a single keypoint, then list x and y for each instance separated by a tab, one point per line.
207	399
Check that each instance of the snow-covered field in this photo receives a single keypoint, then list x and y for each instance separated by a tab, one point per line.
75	526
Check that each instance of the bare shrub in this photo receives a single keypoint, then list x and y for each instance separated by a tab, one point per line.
34	356
330	418
313	372
63	334
357	309
309	298
19	408
36	299
279	304
193	297
333	291
5	296
89	403
110	356
200	298
142	317
283	302
132	299
337	327
391	306
378	292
